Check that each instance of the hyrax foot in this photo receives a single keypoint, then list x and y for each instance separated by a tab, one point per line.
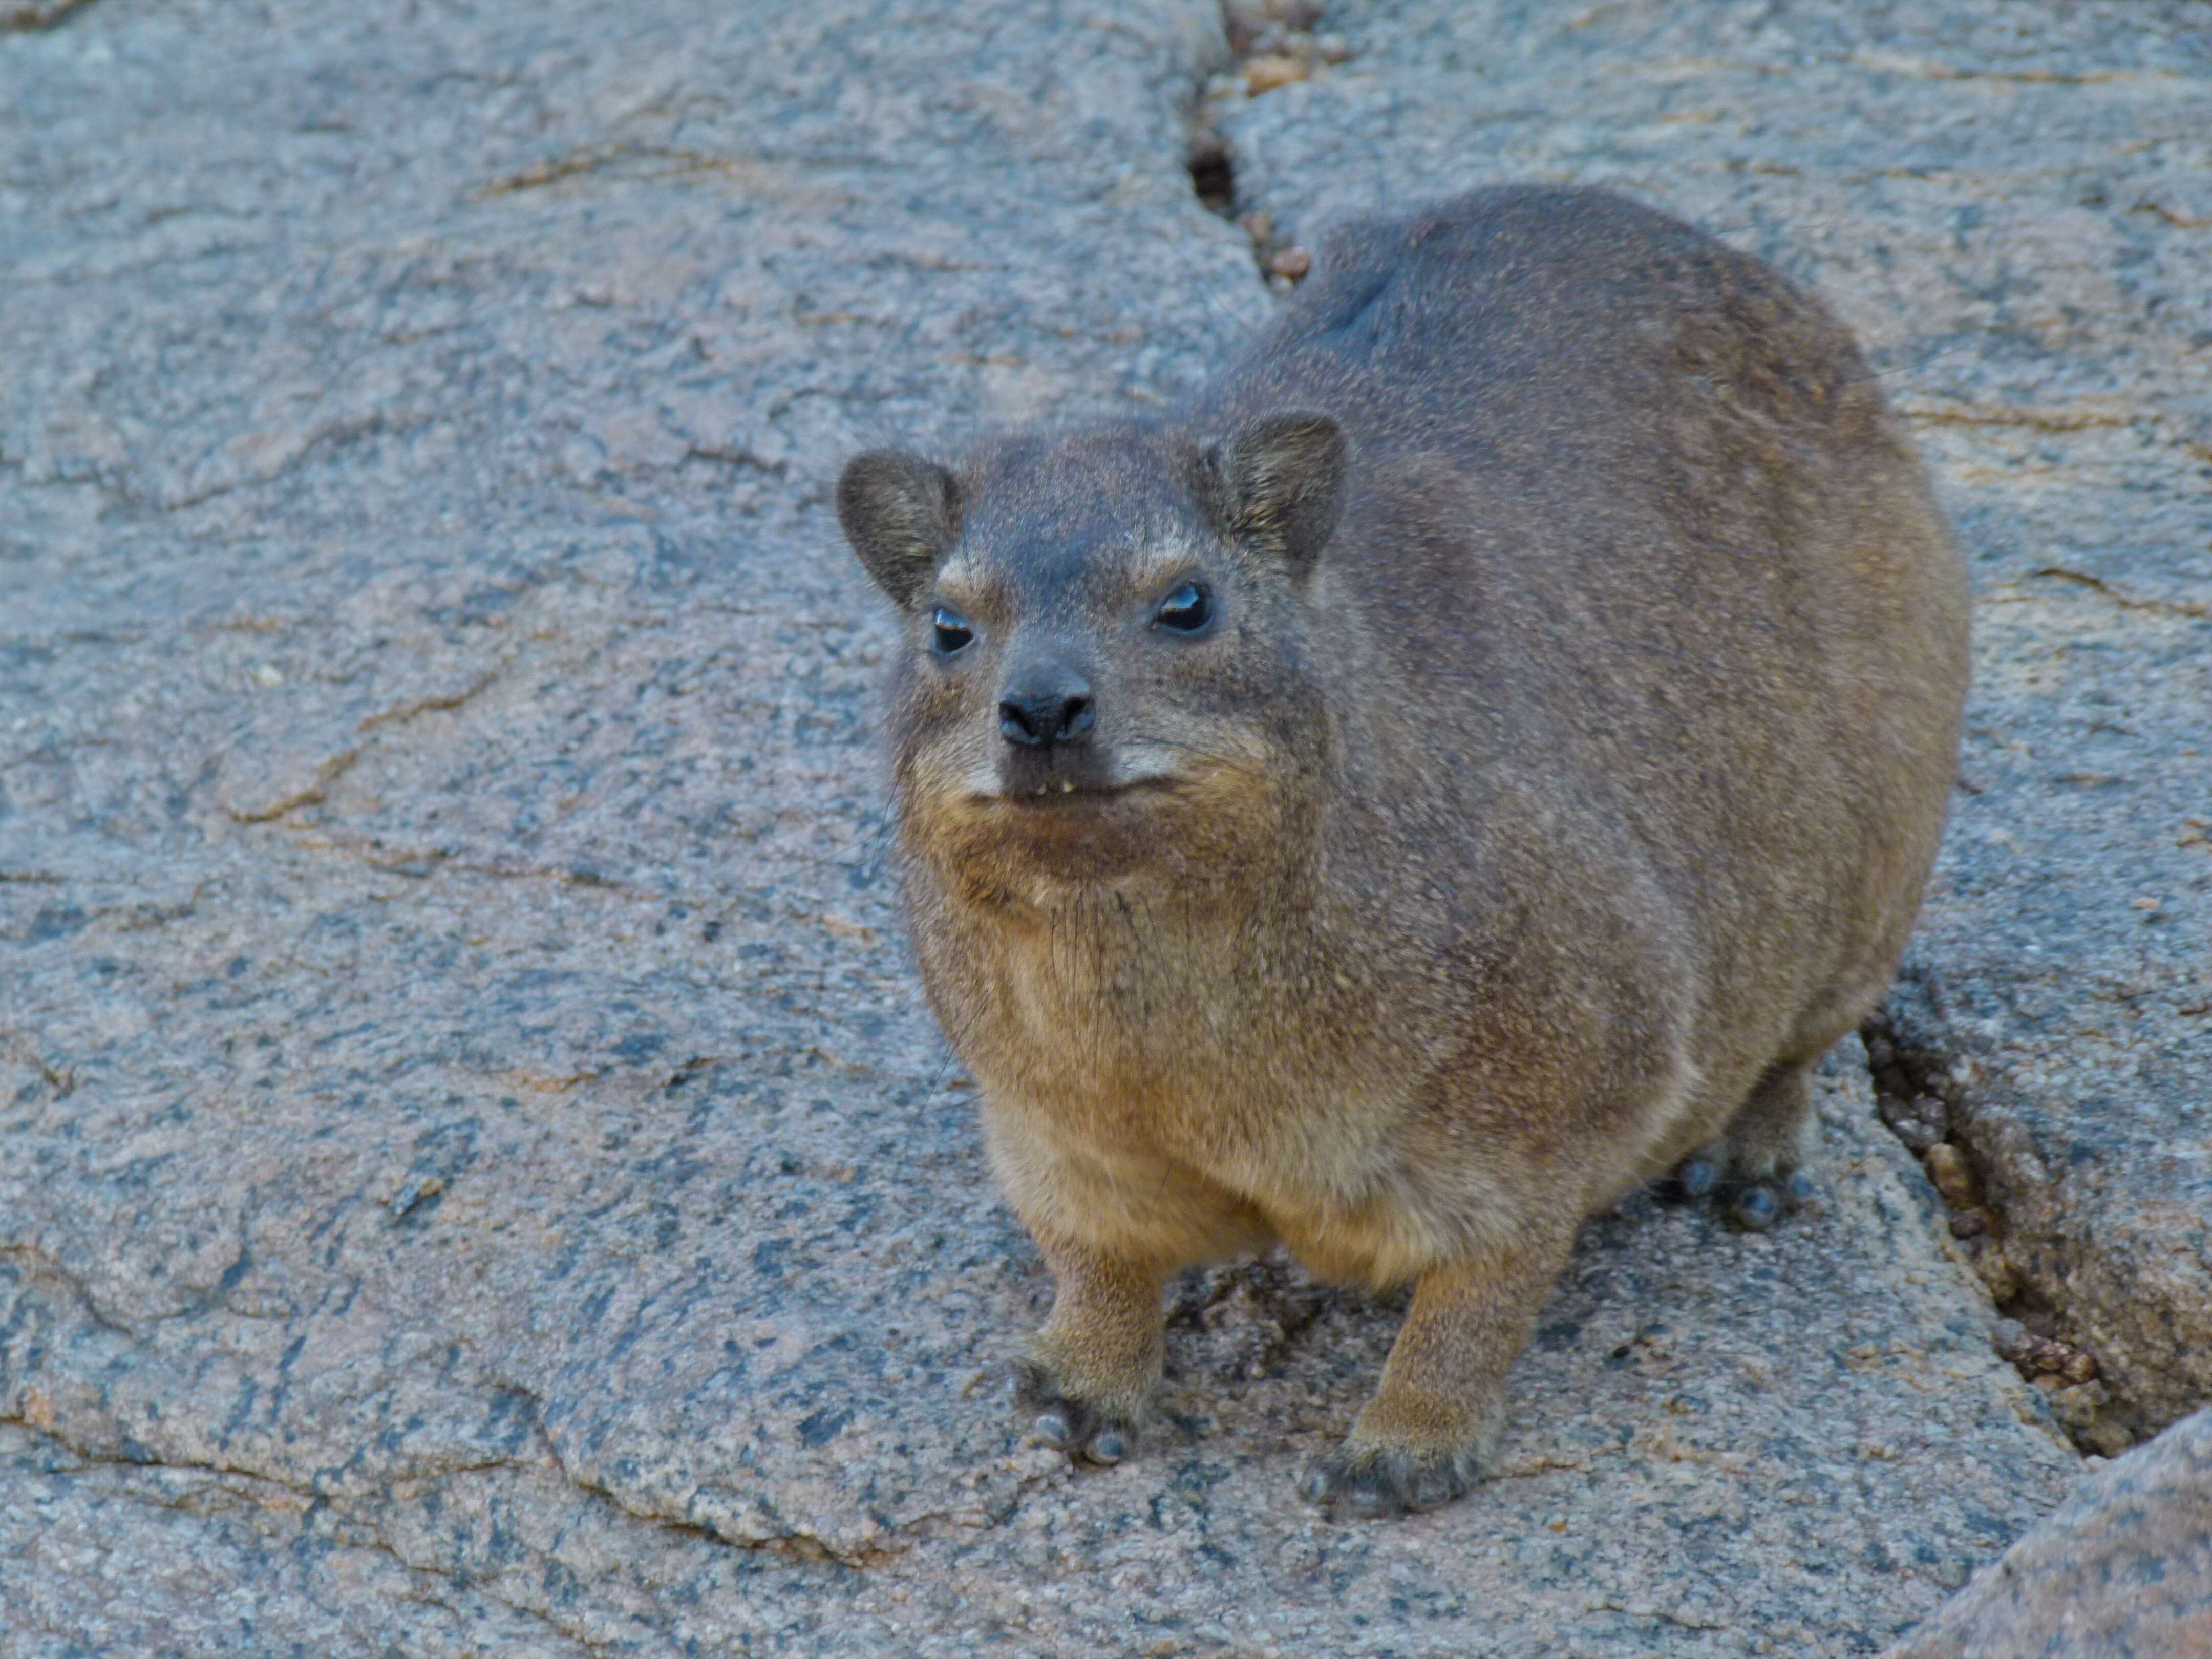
1427	1435
1370	1482
1088	1373
1752	1167
1753	1205
1081	1428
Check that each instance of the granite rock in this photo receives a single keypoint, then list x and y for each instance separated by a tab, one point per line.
2009	204
2123	1569
478	1175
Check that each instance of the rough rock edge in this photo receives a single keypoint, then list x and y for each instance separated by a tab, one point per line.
2097	1575
1917	1081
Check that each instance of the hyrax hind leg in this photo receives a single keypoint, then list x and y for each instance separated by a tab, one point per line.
1754	1162
1429	1432
1090	1371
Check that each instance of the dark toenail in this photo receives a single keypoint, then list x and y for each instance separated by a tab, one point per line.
1051	1428
1799	1188
1756	1207
1368	1502
1428	1489
1697	1177
1315	1485
1108	1448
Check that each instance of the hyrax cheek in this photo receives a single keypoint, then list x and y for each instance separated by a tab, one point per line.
954	764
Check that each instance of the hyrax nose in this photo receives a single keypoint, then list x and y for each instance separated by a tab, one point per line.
1046	704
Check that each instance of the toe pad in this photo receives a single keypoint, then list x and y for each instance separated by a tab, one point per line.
1367	1484
1074	1427
1756	1207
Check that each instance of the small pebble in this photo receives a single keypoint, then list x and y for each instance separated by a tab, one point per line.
1954	1177
1997	1271
1273	69
413	1191
1909	1124
1292	262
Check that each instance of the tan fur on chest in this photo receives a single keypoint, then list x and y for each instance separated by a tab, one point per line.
1189	1089
1118	1030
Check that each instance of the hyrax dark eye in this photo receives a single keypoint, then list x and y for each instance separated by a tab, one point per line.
1188	610
953	633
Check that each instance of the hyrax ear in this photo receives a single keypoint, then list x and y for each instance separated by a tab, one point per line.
901	514
1280	479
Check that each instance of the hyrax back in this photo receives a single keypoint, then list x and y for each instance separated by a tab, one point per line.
1479	754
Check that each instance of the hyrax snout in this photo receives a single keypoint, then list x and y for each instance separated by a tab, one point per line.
1478	755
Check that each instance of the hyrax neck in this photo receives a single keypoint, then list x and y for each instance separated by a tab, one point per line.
1200	1023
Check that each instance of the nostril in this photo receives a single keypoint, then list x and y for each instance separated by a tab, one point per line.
1044	705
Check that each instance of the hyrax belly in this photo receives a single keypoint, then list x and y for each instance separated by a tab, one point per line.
1488	745
1181	1183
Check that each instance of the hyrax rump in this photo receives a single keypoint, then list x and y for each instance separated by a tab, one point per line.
1477	756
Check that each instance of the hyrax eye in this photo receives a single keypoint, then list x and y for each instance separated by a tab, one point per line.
952	632
1188	610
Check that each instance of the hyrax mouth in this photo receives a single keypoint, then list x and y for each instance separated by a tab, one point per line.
1069	793
1063	773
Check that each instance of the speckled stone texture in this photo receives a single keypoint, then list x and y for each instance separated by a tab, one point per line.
2012	204
477	1175
2122	1570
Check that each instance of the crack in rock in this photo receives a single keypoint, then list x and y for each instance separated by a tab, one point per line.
2121	596
27	15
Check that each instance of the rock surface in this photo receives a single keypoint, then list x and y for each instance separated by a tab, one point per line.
2012	206
2122	1570
479	1175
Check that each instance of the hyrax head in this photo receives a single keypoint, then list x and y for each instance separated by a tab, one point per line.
1106	639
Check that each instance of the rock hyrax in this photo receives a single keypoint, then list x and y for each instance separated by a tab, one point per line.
1477	756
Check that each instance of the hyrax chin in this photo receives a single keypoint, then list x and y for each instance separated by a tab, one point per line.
1475	757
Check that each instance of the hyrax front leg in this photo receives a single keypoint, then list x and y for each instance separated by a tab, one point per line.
1090	1371
1429	1432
